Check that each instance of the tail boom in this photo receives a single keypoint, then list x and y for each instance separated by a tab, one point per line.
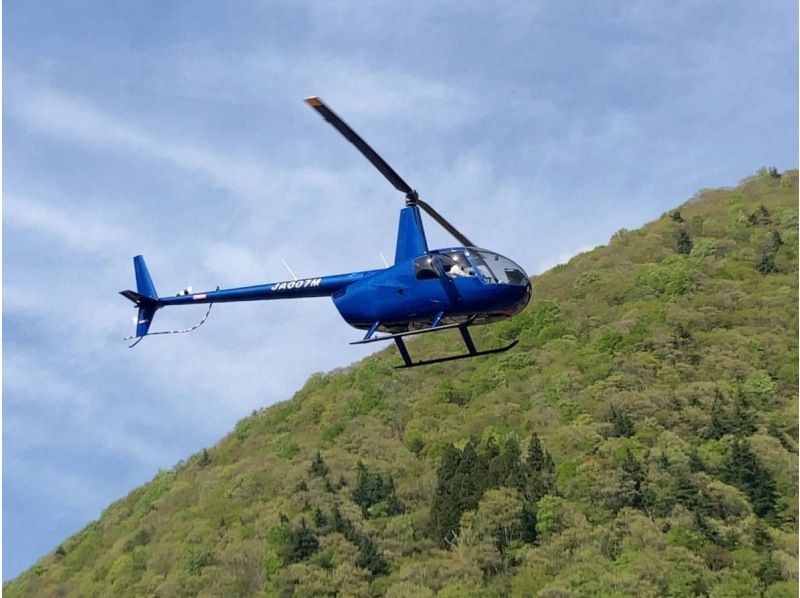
323	286
148	302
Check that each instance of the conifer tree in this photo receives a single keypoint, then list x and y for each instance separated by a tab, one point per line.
492	450
361	493
708	531
683	242
445	510
720	422
742	421
742	469
369	558
319	518
394	506
304	543
685	490
371	488
775	241
635	473
467	487
505	470
622	422
761	538
766	263
528	523
539	471
318	467
342	525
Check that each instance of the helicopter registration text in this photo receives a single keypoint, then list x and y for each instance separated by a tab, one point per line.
297	284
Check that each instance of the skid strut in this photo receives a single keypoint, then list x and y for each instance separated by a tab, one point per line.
463	328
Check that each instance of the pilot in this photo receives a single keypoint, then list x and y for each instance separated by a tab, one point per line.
455	270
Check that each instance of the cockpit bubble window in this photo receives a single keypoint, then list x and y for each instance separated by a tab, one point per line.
425	268
498	269
456	264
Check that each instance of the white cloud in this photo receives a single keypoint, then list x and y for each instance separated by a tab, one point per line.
369	93
78	229
51	112
28	379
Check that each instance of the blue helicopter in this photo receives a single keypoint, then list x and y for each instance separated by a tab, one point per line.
423	291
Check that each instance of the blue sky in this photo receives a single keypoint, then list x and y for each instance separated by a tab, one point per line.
176	130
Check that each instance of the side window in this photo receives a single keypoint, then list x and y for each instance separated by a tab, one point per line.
425	268
456	264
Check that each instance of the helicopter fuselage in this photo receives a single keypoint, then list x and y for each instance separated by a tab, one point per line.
410	294
415	293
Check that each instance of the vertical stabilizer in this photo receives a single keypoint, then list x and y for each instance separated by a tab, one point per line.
145	297
411	241
144	284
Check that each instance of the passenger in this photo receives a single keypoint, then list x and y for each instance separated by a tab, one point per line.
455	270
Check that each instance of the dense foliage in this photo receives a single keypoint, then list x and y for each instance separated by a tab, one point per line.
640	441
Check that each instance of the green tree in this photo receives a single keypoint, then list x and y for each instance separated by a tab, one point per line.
766	263
318	467
742	421
742	469
774	242
621	422
504	469
342	525
538	471
370	558
371	489
196	559
683	242
635	473
469	489
528	530
320	520
720	423
446	508
760	216
303	543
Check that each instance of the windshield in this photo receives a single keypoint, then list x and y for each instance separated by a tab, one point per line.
498	269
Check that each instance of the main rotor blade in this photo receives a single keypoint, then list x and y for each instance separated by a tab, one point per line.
379	163
362	146
445	224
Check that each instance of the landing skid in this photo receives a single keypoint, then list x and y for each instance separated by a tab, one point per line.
462	328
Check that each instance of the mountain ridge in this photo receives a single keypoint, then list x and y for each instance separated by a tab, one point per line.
648	371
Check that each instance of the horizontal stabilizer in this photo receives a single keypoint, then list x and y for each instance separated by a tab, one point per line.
137	298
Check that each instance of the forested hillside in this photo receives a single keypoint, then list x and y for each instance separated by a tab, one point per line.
641	440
